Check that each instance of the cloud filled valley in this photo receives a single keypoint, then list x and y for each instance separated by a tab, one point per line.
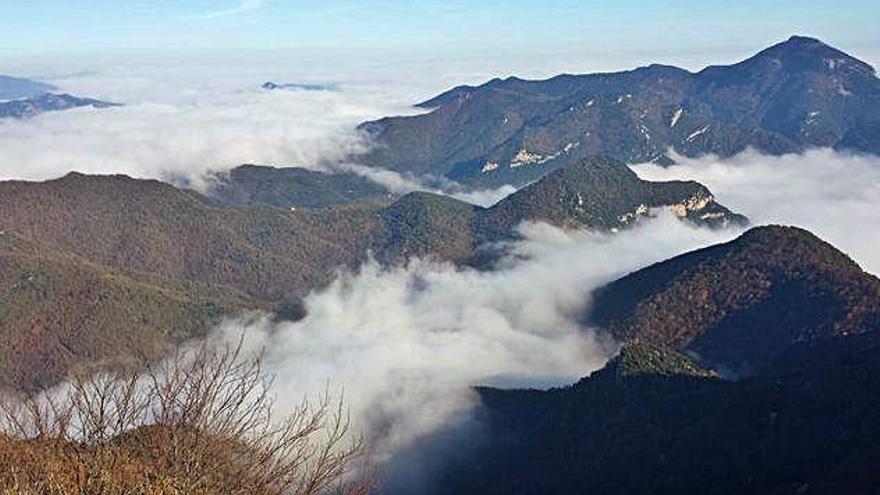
408	303
407	343
185	127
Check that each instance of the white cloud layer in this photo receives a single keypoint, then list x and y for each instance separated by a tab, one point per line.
834	195
407	343
183	125
186	138
397	183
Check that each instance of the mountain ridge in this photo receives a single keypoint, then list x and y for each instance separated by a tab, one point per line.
737	305
48	102
266	257
798	94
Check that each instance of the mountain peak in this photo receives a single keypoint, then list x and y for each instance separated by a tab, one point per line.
798	42
797	39
731	304
796	56
12	88
603	193
797	242
806	53
637	358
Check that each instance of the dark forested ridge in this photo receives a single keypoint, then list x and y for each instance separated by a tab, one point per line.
792	96
648	423
739	304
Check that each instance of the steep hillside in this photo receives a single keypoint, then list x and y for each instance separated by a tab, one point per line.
59	310
149	226
596	193
738	305
798	94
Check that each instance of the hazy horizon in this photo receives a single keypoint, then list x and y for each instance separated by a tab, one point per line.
47	39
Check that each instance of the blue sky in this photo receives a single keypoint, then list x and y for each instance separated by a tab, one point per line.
687	32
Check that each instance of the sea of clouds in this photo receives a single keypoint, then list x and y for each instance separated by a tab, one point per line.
184	125
407	344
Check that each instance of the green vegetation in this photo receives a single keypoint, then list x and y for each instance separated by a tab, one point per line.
423	224
603	194
673	433
638	358
59	311
291	187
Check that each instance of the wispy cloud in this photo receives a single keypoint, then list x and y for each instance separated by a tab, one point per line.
242	8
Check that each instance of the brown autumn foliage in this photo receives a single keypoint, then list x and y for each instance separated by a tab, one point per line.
202	422
739	304
58	311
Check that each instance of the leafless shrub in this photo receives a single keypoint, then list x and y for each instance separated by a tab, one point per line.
202	421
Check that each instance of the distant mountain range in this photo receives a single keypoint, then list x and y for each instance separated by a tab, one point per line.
271	86
88	254
792	96
23	98
47	102
656	420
